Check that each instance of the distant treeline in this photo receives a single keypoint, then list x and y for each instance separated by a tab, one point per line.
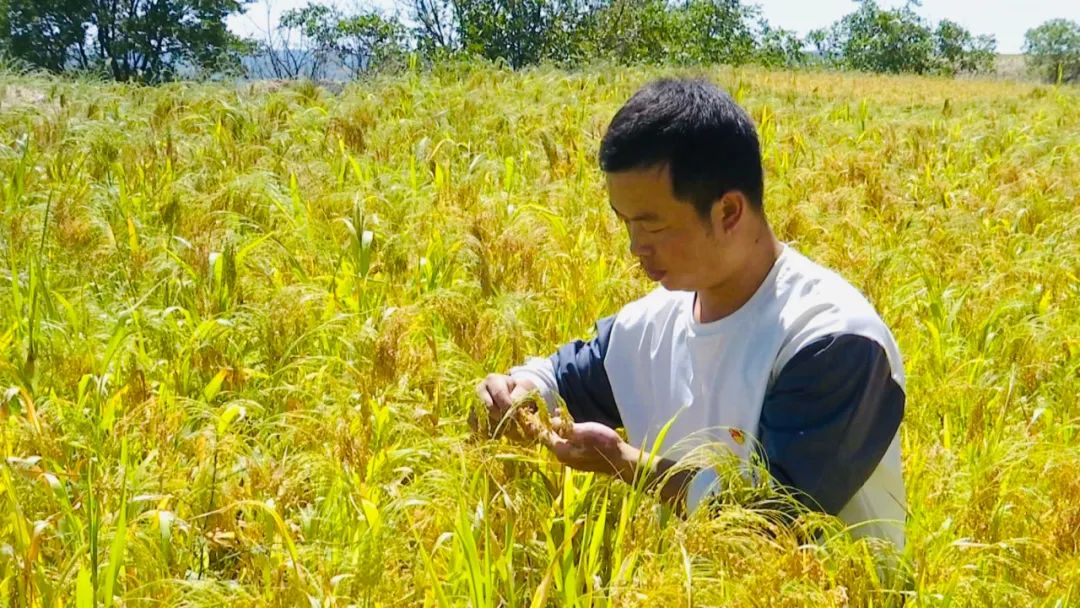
159	40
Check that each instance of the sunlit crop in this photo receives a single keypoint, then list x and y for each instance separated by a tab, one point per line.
240	327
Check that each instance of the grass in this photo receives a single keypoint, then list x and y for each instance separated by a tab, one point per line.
240	332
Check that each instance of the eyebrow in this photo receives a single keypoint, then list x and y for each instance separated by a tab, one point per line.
644	217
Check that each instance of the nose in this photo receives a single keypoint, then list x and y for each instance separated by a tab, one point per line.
638	247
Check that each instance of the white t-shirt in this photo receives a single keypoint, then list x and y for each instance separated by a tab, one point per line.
806	371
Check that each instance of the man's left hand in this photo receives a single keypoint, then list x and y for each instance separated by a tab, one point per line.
591	446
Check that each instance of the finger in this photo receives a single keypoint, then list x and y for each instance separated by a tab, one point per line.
562	429
571	455
551	441
483	394
519	390
499	387
560	449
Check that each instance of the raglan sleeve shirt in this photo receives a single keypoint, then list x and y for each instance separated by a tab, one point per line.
576	373
826	421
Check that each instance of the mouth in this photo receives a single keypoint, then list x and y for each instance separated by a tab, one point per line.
654	275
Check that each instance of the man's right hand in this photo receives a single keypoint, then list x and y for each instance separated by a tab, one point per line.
498	392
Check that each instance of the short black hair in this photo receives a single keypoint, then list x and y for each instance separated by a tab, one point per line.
706	139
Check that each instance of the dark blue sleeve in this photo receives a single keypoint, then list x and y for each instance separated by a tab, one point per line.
583	381
829	418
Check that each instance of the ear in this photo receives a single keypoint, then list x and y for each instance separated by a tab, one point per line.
728	211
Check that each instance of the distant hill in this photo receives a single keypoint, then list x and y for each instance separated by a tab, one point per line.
260	67
1013	66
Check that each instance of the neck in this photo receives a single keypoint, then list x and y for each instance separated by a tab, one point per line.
722	299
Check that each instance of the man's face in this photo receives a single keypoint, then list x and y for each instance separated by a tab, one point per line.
674	245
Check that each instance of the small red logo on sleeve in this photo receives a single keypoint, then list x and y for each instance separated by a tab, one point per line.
737	436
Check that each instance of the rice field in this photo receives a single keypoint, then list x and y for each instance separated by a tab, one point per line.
241	327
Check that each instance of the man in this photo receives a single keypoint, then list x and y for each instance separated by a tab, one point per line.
744	336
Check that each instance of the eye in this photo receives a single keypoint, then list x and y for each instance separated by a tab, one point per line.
658	230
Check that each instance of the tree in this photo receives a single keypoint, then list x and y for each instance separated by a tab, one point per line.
369	41
876	40
311	41
44	33
299	46
899	40
658	31
137	40
778	47
436	30
521	32
715	31
958	51
627	31
1053	50
317	37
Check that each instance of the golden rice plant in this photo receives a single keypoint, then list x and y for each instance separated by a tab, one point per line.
241	326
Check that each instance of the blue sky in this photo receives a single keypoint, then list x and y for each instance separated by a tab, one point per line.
1007	20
